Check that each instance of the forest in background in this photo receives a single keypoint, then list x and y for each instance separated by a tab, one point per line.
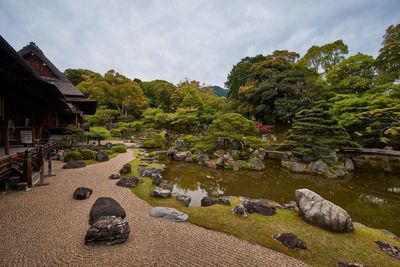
327	99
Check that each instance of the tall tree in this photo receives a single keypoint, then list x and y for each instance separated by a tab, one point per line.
388	60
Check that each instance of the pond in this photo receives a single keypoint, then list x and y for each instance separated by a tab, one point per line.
372	199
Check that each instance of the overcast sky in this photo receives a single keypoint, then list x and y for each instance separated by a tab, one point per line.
200	40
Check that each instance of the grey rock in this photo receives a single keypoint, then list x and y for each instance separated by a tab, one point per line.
240	210
257	164
219	153
340	172
126	168
320	212
348	164
73	164
294	166
185	200
169	214
161	193
290	240
129	182
390	234
114	176
157	178
165	185
82	193
260	206
109	229
211	164
223	200
289	206
207	201
108	145
318	166
180	144
389	249
349	264
105	206
330	175
148	172
101	155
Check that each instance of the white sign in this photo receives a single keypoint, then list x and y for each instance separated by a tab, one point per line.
26	137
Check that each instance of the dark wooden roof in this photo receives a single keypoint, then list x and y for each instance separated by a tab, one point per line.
61	82
23	86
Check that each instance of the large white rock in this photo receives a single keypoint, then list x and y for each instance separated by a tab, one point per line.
318	211
169	214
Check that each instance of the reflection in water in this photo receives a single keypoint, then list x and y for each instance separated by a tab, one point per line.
370	198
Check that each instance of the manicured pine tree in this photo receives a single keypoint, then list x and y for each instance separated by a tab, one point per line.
315	134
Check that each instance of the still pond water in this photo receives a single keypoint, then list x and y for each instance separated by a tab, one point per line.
372	199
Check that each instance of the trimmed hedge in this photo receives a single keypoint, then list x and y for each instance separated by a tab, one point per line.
87	154
119	149
73	154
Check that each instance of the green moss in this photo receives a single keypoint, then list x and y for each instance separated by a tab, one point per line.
324	248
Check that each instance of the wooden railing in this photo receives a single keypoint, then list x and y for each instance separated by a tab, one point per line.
24	164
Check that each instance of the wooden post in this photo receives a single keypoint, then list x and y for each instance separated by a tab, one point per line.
4	127
41	165
28	167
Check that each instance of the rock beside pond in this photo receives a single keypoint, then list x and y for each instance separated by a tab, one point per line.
318	166
348	164
114	176
109	229
165	185
126	168
157	178
330	175
290	240
161	193
211	164
148	172
257	164
169	214
82	193
260	206
101	155
209	201
294	166
320	212
105	206
240	210
289	206
349	264
129	182
73	164
389	249
185	200
184	156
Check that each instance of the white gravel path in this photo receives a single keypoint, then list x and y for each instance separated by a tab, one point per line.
46	227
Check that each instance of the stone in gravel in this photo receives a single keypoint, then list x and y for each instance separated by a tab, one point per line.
161	193
109	229
108	145
185	200
349	264
129	182
105	206
290	240
169	214
114	176
126	168
73	164
320	212
82	193
260	206
240	210
389	249
101	155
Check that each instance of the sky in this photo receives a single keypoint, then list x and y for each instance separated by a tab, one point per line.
178	39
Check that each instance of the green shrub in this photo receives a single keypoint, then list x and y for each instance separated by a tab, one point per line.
119	149
156	141
73	154
116	133
87	154
110	152
98	133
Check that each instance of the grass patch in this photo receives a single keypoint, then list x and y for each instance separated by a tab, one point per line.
324	248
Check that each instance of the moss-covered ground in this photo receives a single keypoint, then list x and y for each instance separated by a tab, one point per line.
324	248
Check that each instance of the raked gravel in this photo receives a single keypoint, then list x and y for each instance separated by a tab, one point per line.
46	227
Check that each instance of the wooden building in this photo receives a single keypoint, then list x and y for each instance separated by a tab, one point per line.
35	98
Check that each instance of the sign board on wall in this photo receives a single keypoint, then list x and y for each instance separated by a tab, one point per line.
26	136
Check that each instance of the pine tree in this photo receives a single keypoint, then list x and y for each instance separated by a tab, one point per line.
315	134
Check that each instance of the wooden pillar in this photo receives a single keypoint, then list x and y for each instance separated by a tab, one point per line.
4	129
28	167
76	120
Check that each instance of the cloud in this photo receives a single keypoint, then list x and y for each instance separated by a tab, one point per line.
200	40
